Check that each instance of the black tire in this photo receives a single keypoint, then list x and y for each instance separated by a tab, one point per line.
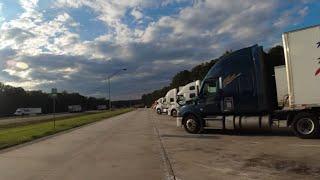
192	125
159	111
174	113
306	125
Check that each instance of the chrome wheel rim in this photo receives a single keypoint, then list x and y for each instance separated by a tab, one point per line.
191	124
305	126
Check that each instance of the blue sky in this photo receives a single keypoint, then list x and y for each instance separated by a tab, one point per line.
74	44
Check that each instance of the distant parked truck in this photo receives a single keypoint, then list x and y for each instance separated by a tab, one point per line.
243	90
185	95
74	108
101	107
27	111
161	106
167	101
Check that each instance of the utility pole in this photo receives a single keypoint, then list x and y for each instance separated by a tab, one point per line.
109	93
109	84
54	92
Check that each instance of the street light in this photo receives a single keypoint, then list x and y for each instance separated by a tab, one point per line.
109	77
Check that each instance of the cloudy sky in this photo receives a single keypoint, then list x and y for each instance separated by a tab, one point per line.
74	44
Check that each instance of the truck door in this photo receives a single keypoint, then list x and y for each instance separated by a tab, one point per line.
211	99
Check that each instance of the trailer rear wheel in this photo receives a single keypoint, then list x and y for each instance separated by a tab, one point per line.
306	125
191	124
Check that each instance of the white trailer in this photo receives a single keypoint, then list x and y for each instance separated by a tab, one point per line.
74	108
302	54
102	107
185	95
27	111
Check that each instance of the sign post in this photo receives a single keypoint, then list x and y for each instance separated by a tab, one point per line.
54	92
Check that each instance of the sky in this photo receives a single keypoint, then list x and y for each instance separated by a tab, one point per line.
74	45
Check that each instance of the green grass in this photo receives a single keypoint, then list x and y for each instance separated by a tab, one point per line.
17	135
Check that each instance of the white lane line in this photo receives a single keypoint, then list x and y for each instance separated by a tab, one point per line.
164	155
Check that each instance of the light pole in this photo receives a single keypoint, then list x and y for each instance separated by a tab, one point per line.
109	77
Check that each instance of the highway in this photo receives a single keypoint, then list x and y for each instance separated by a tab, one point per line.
7	121
144	145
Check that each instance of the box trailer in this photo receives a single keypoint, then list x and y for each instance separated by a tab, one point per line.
302	54
74	108
27	111
102	107
243	90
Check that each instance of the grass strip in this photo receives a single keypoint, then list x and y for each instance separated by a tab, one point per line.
46	119
17	135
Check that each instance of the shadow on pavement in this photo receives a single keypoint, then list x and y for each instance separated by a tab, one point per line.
274	132
197	136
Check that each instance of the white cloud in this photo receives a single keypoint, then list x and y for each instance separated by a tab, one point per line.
29	84
304	11
33	37
29	5
137	14
55	55
1	16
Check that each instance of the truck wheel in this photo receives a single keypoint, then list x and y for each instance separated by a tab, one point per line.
306	125
159	111
191	124
174	113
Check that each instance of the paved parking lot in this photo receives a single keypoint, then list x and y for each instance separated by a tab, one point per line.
217	155
144	145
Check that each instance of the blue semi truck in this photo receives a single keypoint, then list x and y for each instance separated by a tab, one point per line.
243	90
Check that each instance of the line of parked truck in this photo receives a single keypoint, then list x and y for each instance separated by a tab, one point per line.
244	90
176	98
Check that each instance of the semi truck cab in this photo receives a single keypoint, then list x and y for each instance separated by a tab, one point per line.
185	95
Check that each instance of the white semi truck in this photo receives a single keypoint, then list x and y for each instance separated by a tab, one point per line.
167	101
243	90
27	111
186	94
161	106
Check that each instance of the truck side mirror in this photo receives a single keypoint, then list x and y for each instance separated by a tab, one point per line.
220	83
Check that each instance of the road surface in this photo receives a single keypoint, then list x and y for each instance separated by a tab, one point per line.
144	145
123	147
7	121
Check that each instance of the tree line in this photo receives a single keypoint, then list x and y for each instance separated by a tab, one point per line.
275	54
12	98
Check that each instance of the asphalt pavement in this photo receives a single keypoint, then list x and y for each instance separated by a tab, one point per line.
144	145
122	147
